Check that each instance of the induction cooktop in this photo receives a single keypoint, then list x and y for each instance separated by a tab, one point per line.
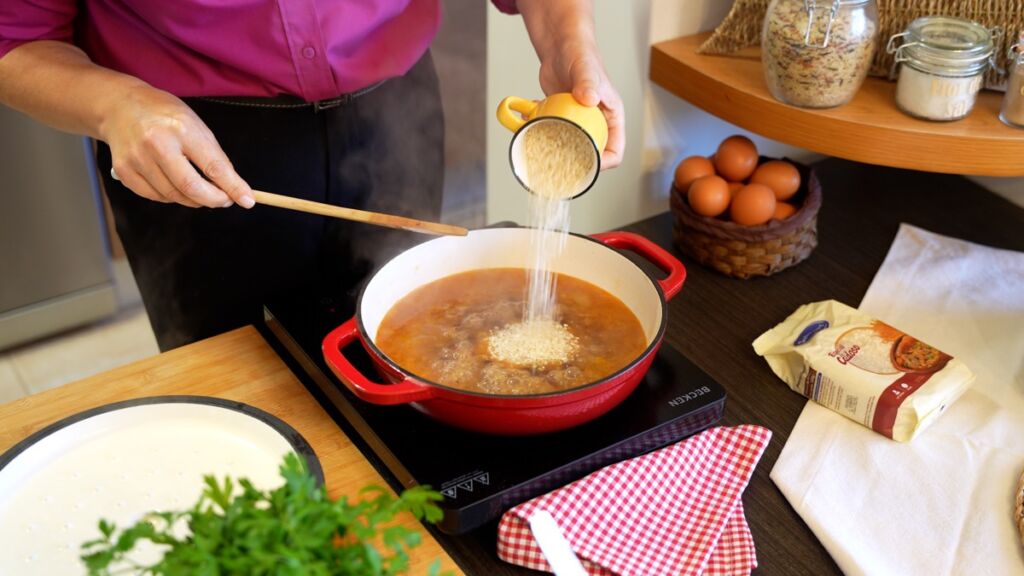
481	476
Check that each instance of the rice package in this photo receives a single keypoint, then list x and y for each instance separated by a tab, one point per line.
863	368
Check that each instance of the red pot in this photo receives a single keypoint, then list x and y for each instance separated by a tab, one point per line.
590	259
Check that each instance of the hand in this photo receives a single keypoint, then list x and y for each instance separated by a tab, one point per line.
157	142
579	70
563	35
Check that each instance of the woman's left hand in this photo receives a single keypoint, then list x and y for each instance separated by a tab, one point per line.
563	35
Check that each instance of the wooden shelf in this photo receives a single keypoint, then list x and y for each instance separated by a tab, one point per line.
869	129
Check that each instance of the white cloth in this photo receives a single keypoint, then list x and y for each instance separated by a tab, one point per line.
943	503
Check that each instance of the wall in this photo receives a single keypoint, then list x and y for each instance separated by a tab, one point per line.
661	129
1010	188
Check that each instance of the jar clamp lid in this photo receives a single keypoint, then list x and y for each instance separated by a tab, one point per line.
812	8
945	45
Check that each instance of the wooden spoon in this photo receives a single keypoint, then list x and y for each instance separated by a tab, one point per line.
376	218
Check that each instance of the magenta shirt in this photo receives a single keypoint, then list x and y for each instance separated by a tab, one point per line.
314	49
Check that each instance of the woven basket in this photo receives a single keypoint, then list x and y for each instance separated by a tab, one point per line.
745	251
742	27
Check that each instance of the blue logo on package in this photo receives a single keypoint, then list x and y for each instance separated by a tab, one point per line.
810	331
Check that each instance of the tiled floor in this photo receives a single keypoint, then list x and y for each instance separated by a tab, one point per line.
122	339
79	353
11	386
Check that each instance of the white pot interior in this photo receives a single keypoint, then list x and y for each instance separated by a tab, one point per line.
509	248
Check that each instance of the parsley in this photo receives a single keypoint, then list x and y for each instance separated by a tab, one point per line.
293	530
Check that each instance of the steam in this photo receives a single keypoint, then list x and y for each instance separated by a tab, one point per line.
391	161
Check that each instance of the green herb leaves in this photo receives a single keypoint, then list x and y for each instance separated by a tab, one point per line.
293	530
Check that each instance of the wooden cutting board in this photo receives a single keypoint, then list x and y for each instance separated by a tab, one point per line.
237	365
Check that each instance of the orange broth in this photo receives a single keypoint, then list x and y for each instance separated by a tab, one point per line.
440	332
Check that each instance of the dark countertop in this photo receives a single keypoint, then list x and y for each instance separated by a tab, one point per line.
715	318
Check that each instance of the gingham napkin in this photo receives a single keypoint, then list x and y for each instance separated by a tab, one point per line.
674	511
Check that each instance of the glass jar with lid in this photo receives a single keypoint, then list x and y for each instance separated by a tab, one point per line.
942	63
1012	111
816	53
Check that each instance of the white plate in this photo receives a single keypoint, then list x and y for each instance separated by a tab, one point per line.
121	461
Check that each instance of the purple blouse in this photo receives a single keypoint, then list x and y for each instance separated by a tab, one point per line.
314	49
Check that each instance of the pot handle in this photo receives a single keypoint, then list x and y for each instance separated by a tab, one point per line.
402	392
657	255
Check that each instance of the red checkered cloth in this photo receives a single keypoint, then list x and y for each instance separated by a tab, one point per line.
674	511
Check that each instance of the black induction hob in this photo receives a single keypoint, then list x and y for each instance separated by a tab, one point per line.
481	476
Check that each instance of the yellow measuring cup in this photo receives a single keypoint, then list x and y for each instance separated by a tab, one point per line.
520	115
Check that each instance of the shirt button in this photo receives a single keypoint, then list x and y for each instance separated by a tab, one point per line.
309	52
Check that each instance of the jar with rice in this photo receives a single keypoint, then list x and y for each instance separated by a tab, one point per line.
816	53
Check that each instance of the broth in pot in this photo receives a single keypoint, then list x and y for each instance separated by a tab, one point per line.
466	331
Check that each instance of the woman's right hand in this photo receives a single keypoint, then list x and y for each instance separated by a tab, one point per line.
159	146
156	140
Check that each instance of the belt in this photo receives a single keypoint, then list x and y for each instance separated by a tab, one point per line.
287	101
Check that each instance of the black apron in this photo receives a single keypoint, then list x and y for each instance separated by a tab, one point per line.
204	271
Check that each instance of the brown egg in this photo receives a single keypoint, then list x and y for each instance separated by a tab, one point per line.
754	204
709	196
783	210
781	176
736	158
690	169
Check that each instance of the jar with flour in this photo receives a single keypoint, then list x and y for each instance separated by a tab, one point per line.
942	63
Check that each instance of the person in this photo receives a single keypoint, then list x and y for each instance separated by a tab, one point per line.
194	104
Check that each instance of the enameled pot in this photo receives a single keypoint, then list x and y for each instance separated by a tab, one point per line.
588	258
